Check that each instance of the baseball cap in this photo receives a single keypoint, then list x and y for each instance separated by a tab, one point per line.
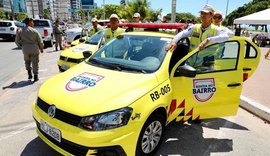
94	20
137	15
218	13
208	9
114	16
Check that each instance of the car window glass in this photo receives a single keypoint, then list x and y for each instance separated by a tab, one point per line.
39	23
250	51
217	57
96	38
5	24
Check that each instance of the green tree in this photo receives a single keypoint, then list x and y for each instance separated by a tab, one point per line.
2	13
140	6
47	13
249	8
20	16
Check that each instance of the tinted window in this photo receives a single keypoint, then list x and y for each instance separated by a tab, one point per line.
5	24
39	23
217	57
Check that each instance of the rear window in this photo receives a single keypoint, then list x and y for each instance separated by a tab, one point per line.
5	24
39	23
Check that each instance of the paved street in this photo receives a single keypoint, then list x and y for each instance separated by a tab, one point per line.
241	135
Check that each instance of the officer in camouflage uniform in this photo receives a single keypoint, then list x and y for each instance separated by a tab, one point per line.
31	43
57	32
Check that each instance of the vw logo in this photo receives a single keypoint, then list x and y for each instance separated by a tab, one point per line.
51	111
66	59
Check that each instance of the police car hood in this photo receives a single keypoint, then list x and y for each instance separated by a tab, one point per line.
85	90
77	51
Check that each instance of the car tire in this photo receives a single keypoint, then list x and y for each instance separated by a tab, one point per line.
151	135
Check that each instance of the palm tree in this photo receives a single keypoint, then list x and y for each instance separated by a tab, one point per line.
140	6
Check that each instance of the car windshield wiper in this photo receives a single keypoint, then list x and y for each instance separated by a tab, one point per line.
121	67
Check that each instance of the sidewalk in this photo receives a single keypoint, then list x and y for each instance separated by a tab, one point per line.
256	90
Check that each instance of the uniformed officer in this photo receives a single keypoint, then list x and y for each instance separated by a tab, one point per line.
114	30
57	32
31	42
95	27
201	34
217	20
137	19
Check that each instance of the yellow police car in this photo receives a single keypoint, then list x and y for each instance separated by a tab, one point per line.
76	54
119	101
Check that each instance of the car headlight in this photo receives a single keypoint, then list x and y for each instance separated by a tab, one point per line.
105	121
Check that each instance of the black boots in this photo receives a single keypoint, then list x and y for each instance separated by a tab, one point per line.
36	78
30	76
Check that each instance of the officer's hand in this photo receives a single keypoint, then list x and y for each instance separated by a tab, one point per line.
203	44
170	46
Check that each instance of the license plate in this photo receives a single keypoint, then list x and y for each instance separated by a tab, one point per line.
51	131
65	67
2	29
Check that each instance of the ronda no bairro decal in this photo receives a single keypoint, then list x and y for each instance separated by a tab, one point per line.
83	81
204	89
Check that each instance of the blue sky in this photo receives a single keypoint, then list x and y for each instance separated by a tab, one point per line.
192	6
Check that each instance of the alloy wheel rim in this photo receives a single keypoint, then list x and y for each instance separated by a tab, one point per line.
151	137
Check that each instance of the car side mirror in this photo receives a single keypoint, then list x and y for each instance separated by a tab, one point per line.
81	40
87	54
185	70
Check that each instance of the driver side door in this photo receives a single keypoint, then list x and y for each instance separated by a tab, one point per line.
215	89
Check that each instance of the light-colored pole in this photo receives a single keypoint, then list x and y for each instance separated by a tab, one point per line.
173	11
227	8
104	9
12	10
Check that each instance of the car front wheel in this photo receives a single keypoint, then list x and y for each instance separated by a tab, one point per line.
151	135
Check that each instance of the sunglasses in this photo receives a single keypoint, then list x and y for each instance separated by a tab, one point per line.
217	17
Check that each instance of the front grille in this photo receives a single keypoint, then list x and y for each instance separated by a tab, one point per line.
59	114
66	145
70	59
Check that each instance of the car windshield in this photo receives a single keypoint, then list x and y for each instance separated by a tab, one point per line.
95	38
40	23
132	53
87	25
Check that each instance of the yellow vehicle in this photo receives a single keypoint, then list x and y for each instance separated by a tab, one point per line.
76	54
119	101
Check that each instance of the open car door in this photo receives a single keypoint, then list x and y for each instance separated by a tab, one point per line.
209	89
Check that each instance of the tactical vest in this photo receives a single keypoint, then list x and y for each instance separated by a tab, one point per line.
109	35
92	30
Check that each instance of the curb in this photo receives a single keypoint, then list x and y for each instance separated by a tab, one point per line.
255	108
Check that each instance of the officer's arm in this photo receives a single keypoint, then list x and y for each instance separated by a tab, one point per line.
39	41
179	36
18	40
222	36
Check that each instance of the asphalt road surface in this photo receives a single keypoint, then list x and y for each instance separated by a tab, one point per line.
241	135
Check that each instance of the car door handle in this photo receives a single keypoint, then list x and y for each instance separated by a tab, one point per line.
247	69
234	85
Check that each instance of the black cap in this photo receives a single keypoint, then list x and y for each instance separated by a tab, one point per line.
27	20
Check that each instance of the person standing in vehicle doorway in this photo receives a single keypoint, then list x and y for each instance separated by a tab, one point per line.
57	32
114	30
31	42
201	34
95	27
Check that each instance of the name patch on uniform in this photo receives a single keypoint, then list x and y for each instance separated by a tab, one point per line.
108	36
204	89
83	81
196	35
